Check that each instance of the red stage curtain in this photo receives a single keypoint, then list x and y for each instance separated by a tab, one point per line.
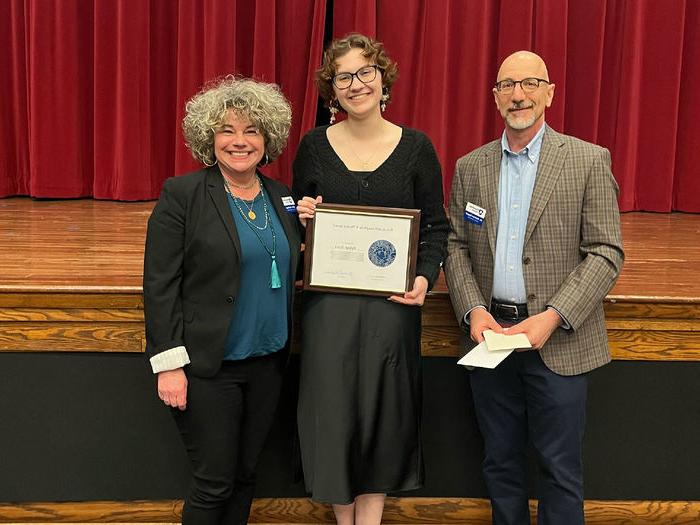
625	74
14	129
93	92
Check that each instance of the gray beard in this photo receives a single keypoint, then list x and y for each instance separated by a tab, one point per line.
518	123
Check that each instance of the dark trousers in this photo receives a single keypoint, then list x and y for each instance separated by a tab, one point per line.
224	428
523	400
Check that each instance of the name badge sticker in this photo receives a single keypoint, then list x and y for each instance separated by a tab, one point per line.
288	204
474	214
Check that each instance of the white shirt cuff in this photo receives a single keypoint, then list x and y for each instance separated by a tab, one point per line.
564	323
466	316
170	359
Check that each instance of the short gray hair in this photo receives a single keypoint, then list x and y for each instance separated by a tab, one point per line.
261	103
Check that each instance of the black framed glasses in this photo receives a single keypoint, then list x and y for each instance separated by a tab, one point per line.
365	75
528	85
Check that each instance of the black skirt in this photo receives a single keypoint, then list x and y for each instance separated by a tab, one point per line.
359	397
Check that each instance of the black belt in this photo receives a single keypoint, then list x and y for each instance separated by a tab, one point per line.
508	311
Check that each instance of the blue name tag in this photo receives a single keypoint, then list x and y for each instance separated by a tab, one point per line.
474	214
288	204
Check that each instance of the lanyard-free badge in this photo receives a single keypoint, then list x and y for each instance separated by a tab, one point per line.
288	204
474	214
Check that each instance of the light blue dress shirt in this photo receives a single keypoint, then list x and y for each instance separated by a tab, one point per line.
515	187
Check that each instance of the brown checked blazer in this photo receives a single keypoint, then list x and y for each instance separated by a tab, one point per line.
572	252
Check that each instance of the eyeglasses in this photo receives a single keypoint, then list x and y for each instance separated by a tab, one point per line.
365	75
528	85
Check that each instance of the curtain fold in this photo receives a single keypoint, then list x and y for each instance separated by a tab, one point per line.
297	64
122	100
14	118
94	91
357	16
60	98
624	72
686	189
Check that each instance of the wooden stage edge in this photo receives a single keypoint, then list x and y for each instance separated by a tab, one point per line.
71	272
58	321
303	510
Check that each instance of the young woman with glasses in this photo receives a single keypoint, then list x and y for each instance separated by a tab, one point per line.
360	390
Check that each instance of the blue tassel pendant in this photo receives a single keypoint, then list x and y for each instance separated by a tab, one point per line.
275	281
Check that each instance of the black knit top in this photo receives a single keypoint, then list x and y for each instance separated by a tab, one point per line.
409	178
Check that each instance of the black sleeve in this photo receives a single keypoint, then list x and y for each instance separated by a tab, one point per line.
434	226
162	273
303	170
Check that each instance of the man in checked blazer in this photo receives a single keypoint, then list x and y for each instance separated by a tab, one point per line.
535	247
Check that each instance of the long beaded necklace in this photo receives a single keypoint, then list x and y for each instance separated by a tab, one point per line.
275	281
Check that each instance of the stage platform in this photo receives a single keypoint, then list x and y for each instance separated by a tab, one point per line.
85	440
71	271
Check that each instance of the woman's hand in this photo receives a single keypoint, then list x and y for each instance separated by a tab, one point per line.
415	297
306	207
172	388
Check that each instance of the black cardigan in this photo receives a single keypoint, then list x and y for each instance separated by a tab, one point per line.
409	178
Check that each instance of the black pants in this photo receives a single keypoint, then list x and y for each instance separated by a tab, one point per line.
224	429
522	400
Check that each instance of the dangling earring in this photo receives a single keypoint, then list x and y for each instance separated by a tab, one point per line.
265	160
333	108
208	165
385	98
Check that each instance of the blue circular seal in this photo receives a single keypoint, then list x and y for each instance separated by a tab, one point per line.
381	253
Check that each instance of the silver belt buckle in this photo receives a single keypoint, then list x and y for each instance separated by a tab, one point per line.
512	308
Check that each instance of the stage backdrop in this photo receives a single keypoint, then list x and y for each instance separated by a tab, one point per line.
92	92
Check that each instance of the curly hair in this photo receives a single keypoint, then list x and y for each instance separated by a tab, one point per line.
263	104
371	49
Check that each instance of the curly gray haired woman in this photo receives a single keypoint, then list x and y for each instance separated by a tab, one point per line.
263	104
221	256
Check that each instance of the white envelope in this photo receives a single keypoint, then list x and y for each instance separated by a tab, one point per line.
496	342
494	349
480	356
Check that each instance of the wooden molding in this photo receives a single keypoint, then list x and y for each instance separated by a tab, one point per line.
638	330
71	337
303	510
47	299
71	315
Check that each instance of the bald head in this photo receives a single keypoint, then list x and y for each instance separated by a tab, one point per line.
522	105
523	64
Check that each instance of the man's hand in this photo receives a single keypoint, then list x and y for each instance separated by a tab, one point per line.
480	320
537	328
172	388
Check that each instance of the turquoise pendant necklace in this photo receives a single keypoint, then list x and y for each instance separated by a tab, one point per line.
275	281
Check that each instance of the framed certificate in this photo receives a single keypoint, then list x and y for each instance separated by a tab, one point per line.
361	249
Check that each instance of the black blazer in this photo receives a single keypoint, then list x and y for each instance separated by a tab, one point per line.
192	266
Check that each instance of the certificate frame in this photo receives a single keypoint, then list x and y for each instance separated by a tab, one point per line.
336	240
